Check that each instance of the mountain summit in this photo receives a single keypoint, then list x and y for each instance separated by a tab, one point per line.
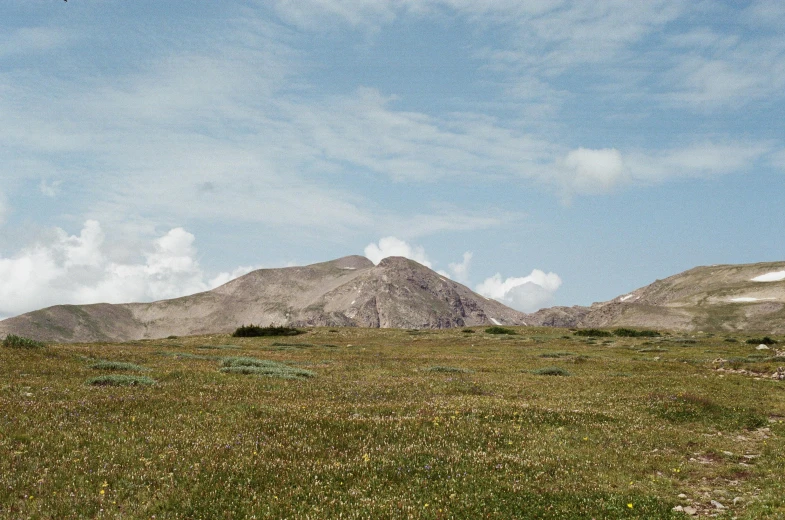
349	291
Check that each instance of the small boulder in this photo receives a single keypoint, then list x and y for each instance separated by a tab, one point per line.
762	347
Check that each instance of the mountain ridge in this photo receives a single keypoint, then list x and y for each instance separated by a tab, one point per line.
349	291
713	298
401	293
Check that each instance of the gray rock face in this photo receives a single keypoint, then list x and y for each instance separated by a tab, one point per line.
349	291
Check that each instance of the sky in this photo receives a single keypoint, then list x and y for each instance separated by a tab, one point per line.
547	152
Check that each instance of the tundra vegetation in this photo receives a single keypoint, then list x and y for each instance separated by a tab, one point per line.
369	423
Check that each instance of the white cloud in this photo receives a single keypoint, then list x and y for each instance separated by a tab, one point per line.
460	270
585	171
526	294
50	189
591	171
223	278
392	246
77	270
31	39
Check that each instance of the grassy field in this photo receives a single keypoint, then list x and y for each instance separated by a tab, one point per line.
357	423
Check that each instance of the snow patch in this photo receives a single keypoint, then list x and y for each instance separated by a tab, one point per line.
774	276
625	298
749	299
495	322
348	268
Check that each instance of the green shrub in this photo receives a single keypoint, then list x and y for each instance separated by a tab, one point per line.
263	367
551	371
731	340
13	341
439	368
556	354
468	331
500	330
762	341
120	380
253	331
653	349
632	333
118	365
593	333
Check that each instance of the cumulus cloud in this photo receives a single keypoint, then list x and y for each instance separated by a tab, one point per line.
76	269
50	189
460	270
392	246
526	293
586	171
589	171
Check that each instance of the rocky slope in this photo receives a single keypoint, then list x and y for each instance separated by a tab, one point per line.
350	291
747	297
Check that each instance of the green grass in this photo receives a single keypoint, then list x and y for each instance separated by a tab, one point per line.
377	435
218	347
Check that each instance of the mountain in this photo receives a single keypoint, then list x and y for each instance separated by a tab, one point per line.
747	297
349	291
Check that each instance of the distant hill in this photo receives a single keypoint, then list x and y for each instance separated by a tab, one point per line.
349	291
400	293
747	297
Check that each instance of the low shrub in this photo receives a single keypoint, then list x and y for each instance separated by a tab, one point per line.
556	354
593	333
218	347
253	331
500	330
263	367
761	341
551	371
118	365
120	380
13	341
468	331
439	368
632	333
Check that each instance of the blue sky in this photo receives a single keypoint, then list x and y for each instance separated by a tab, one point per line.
545	153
